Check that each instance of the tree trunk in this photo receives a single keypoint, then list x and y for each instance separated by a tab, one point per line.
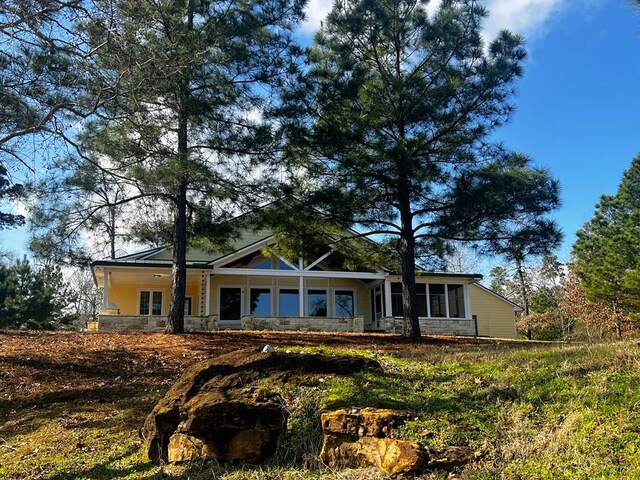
407	252
525	297
175	320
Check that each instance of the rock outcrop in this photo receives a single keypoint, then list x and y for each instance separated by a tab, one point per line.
228	407
368	437
364	438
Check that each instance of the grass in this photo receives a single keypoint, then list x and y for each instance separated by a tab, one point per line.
563	411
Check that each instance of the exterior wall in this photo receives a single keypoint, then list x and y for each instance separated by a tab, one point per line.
147	323
496	317
442	326
126	296
306	324
360	289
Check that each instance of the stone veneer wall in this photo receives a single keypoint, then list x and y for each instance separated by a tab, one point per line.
306	324
143	323
433	326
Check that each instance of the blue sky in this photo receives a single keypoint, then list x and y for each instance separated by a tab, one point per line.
577	105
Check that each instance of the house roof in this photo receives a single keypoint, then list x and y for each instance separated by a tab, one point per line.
203	259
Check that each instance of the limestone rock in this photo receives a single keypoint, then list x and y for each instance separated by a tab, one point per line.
218	407
391	455
363	438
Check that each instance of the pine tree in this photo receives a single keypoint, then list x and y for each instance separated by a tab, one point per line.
607	250
189	120
394	125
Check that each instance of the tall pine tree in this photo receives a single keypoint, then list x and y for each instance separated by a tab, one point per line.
394	129
189	128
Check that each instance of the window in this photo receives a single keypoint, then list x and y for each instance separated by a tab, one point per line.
150	303
456	301
437	300
187	305
145	296
283	266
316	303
288	303
396	299
260	299
263	264
344	306
421	299
230	303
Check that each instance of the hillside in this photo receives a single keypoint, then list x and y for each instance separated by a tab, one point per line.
71	404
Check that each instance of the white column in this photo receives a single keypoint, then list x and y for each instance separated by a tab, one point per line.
105	295
301	288
387	298
301	297
207	300
467	302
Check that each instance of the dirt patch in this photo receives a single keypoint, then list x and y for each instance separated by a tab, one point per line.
39	368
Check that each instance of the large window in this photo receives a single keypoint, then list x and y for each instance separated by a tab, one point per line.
150	303
260	302
396	299
316	303
288	303
456	301
230	303
344	306
437	300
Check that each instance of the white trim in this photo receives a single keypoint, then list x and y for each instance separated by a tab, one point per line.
291	265
242	252
309	267
387	297
301	295
299	273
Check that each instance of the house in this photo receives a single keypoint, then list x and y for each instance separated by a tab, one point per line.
245	289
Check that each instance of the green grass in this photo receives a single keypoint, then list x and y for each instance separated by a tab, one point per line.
544	411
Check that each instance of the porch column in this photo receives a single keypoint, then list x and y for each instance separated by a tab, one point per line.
387	298
301	288
105	294
207	300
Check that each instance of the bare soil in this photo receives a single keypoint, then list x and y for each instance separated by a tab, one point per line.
41	368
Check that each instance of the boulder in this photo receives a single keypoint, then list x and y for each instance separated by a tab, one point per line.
228	407
368	437
364	438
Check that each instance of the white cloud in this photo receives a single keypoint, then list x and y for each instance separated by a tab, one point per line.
316	12
526	17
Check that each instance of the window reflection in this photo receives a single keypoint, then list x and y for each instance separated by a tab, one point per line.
288	303
317	303
343	304
260	302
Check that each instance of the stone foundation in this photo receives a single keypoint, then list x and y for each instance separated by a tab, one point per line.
144	323
433	326
304	324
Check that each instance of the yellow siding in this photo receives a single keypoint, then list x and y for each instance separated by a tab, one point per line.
496	317
126	296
